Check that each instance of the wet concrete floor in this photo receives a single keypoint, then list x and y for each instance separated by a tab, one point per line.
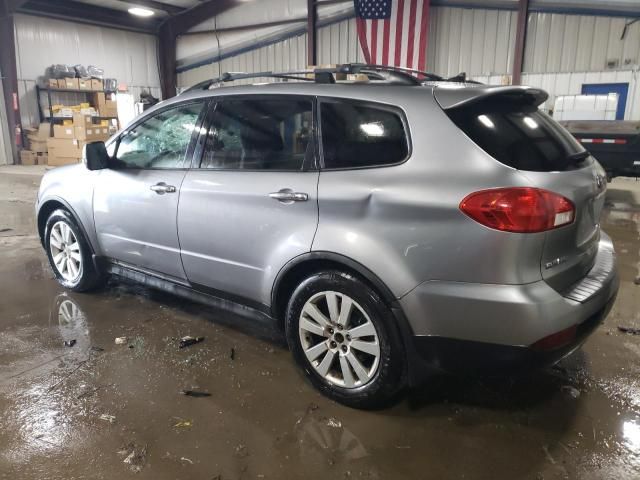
101	410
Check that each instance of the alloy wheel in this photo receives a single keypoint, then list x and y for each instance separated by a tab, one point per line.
339	339
65	251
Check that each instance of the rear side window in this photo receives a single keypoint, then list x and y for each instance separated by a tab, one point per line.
259	134
356	135
520	136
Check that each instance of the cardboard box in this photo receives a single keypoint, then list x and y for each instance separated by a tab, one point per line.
84	83
37	138
38	146
81	120
63	131
68	83
52	83
97	84
64	147
27	157
99	99
109	109
90	134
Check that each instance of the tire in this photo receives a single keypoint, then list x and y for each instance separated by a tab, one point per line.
75	250
333	371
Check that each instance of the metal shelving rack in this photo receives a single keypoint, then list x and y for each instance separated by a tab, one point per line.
53	119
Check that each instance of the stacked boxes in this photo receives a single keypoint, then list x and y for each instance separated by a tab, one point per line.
28	157
69	138
37	143
106	105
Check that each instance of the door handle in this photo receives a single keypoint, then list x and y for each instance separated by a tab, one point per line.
286	195
161	188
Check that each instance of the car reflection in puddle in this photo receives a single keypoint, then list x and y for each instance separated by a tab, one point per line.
71	321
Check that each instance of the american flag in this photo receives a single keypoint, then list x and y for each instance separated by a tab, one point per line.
393	32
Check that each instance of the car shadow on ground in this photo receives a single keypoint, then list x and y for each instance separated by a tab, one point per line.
505	393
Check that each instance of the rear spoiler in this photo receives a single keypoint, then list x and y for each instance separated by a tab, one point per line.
455	96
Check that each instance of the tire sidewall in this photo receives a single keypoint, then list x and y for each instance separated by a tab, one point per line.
85	251
389	377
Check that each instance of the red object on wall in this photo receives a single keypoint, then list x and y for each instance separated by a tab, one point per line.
18	136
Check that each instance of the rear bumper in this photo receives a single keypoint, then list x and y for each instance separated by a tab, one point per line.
462	326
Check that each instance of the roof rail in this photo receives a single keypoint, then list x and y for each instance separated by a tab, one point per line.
390	74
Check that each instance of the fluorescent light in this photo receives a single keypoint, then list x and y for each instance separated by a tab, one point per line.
373	129
141	12
486	121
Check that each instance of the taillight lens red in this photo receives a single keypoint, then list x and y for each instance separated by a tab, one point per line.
519	209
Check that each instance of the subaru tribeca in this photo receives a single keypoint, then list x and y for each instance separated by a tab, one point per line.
391	227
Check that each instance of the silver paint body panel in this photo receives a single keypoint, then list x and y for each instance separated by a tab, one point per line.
452	276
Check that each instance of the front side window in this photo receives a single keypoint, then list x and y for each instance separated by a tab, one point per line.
259	134
160	141
356	135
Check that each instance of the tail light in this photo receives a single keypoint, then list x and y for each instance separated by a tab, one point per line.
519	209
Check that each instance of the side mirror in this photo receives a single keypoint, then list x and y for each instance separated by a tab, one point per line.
95	156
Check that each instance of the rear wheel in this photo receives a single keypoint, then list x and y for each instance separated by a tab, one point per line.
344	337
69	253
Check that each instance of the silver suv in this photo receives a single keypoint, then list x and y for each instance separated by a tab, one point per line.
391	227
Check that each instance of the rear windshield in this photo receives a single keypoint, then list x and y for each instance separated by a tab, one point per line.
520	136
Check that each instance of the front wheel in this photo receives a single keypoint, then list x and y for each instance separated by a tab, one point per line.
69	253
344	337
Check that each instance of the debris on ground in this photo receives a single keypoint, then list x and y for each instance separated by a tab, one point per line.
233	353
182	423
2	230
107	418
121	340
135	456
630	330
573	392
70	343
312	407
194	393
637	281
97	349
241	451
189	340
332	422
185	459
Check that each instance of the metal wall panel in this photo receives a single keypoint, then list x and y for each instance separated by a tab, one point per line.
475	41
579	43
290	54
129	57
338	43
480	42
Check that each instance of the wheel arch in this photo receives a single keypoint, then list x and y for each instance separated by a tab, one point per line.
303	265
51	205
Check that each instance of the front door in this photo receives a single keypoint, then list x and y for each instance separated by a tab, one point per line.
136	199
252	205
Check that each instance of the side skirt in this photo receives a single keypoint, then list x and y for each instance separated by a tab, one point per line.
183	289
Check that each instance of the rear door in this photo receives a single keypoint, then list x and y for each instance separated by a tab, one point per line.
517	134
136	199
251	206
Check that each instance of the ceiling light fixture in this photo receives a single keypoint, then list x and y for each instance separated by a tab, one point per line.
141	12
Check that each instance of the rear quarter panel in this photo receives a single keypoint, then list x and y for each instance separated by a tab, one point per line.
403	222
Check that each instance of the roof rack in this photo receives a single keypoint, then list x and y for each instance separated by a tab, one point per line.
390	74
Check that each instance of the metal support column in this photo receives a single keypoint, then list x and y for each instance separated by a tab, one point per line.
521	39
10	76
312	18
